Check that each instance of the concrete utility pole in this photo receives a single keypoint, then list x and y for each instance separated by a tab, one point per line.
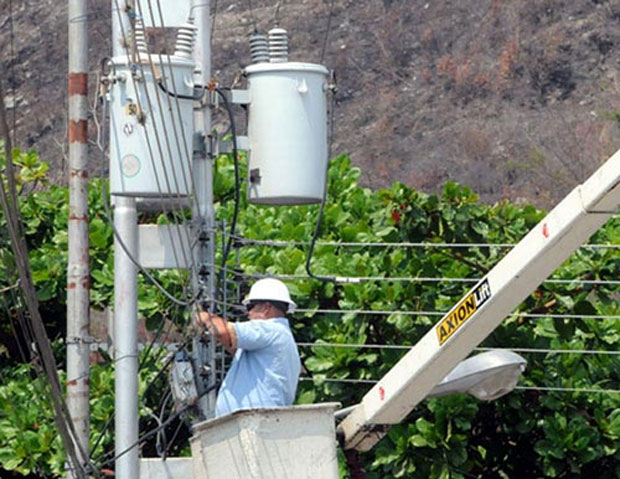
78	273
204	213
125	301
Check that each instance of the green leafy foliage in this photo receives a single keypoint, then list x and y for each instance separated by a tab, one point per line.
533	433
529	432
30	443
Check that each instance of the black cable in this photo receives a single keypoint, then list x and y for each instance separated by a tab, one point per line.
149	434
27	335
213	18
12	41
276	15
252	17
174	437
108	215
161	371
161	434
233	223
10	206
196	97
140	440
317	228
327	32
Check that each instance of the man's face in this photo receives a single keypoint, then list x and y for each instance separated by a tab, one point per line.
259	310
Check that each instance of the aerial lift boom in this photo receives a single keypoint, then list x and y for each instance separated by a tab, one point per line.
484	307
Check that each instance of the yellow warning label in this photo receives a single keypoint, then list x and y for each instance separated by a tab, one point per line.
463	311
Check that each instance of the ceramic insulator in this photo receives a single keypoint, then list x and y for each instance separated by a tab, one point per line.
140	37
186	37
278	45
259	48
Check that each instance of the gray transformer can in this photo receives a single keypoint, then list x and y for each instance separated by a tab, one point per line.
151	126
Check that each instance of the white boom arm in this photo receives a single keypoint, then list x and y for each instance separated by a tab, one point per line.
485	306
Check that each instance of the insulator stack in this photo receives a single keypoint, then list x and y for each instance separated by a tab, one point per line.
140	37
259	48
186	38
278	45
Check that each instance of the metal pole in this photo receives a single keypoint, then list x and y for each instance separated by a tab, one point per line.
78	273
204	214
125	303
126	340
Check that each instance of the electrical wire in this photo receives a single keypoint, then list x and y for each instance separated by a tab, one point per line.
528	388
173	79
27	336
181	146
237	198
111	221
239	307
276	14
12	63
128	253
409	347
162	370
568	390
140	440
154	126
213	18
169	147
252	17
443	313
144	437
153	381
379	244
107	209
10	207
173	439
327	32
317	227
161	434
414	279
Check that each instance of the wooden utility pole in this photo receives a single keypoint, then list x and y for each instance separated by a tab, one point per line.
78	273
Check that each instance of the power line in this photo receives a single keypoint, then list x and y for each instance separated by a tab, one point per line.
252	17
414	279
213	18
12	63
151	156
327	31
442	313
408	347
527	388
379	244
155	128
373	312
179	142
10	206
568	390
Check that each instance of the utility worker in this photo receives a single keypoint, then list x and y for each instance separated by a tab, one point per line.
265	367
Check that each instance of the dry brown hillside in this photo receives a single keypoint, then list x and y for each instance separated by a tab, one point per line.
516	98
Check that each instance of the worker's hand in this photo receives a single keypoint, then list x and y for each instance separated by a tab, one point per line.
207	320
222	330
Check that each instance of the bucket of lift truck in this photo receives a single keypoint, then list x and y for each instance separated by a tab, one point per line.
276	443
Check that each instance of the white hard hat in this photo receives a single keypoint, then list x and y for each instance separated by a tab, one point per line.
270	289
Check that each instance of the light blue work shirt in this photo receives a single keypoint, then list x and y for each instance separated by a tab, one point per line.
265	369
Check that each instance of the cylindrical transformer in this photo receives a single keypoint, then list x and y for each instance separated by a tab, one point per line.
151	128
287	133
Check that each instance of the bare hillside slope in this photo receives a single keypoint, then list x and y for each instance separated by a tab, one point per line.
518	99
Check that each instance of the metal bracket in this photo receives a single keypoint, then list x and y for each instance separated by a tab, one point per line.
226	146
239	97
80	340
199	146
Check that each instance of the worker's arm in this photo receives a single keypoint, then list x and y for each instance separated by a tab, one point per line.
221	329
